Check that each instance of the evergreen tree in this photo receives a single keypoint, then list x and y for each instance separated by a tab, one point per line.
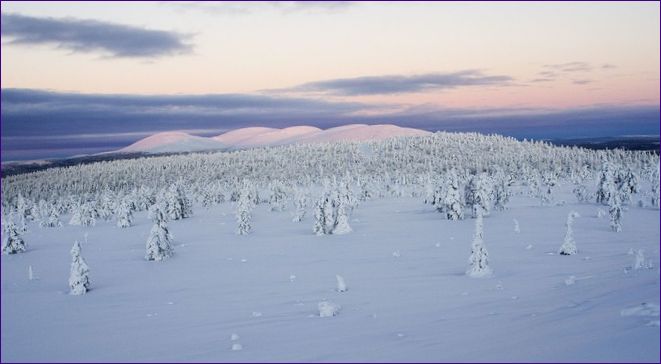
12	242
124	213
452	202
606	185
79	282
342	221
319	227
159	243
615	211
569	245
301	205
244	212
479	258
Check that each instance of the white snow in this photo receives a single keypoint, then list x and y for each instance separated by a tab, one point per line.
173	142
222	283
328	309
176	141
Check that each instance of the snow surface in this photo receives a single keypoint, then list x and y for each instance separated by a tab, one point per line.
419	307
173	142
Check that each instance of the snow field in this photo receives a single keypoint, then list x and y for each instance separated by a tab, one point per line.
418	306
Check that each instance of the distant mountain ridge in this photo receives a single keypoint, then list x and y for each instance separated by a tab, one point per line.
176	142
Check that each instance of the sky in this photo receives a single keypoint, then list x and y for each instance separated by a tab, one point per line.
84	77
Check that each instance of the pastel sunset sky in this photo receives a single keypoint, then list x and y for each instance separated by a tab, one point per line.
86	77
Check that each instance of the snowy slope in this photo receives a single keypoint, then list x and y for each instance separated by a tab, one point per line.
416	306
172	142
275	136
263	137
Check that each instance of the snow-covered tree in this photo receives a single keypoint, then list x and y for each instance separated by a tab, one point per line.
84	214
627	184
501	191
342	221
452	202
568	247
278	198
479	194
301	205
656	189
178	204
124	213
479	258
50	217
159	243
549	180
12	242
79	281
244	211
615	211
319	227
606	185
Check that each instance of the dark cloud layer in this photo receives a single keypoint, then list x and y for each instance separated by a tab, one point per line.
394	84
42	124
87	36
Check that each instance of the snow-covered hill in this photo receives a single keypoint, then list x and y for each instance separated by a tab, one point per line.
173	142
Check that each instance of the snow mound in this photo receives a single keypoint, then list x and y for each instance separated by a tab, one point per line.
328	309
237	136
276	137
173	142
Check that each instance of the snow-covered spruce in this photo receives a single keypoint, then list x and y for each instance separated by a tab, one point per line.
478	194
342	221
615	211
79	281
12	241
244	210
301	205
319	227
124	214
159	243
84	214
568	247
452	202
178	205
278	198
479	258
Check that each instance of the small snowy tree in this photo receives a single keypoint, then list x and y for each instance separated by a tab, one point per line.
159	243
178	204
656	189
277	200
51	217
319	227
124	214
12	242
569	245
479	258
342	222
84	214
615	211
244	213
301	206
452	202
79	282
606	185
479	193
549	180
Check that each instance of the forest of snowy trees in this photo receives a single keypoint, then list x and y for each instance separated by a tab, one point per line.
460	175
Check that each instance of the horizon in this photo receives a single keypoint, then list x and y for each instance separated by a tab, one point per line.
81	78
